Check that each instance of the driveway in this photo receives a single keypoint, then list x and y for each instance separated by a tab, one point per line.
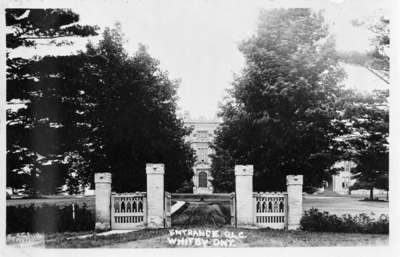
345	205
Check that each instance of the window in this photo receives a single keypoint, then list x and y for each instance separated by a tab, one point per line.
202	179
202	134
202	154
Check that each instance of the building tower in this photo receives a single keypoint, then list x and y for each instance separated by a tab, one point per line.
200	139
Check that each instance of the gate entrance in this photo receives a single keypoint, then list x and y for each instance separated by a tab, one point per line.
205	209
152	209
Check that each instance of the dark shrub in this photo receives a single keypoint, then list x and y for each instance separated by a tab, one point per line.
314	220
48	218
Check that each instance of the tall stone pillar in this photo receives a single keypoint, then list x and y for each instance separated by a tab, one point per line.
103	201
155	195
294	185
244	195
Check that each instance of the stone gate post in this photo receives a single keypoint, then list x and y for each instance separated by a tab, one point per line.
244	195
103	200
294	185
155	195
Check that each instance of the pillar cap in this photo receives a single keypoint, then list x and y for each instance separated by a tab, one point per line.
154	168
294	180
102	177
244	170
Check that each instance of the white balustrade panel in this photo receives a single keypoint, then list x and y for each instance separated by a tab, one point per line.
270	209
128	210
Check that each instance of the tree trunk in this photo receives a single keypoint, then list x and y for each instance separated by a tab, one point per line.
33	192
371	193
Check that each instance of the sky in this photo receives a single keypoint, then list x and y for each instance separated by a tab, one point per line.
196	41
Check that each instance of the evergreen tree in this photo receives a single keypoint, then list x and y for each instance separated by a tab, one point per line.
132	118
278	115
37	134
99	110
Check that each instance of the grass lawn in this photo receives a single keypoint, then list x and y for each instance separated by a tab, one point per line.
60	201
158	238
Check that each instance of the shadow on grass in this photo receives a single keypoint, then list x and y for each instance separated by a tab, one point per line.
61	241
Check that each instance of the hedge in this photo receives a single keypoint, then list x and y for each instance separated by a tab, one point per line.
48	218
317	221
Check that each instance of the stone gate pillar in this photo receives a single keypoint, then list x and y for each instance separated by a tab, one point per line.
155	195
294	185
244	195
103	200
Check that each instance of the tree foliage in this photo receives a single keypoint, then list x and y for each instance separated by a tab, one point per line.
38	134
367	119
100	110
381	43
132	117
31	25
278	115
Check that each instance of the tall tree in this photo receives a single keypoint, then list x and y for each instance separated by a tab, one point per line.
99	110
278	115
37	134
366	116
132	118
